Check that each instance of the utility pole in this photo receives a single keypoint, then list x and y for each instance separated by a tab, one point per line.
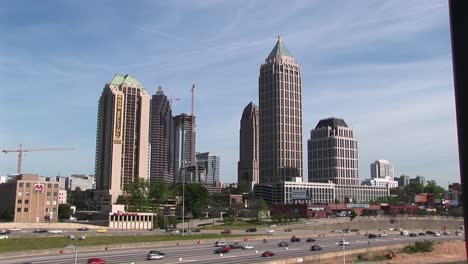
192	128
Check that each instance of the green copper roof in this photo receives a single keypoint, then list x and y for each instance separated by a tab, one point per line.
279	50
121	79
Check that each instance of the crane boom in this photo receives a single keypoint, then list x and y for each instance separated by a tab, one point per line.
21	150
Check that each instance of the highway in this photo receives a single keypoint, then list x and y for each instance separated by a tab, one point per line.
204	253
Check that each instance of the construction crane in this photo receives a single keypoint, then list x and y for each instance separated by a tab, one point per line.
21	150
192	127
170	99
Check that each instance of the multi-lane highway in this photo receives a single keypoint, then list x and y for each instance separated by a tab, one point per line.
204	253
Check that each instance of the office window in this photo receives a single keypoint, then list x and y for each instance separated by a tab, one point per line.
20	184
18	210
56	185
48	193
26	193
28	185
26	201
49	185
26	209
47	202
20	201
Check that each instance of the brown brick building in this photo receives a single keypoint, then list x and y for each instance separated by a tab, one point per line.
32	198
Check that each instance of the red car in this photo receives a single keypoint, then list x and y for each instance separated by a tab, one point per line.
310	240
96	261
268	254
222	250
226	232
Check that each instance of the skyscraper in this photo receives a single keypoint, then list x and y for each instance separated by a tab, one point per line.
248	165
122	134
280	124
161	139
332	153
381	169
211	164
184	140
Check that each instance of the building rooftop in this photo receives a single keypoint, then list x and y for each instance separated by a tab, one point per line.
331	122
120	79
279	50
248	110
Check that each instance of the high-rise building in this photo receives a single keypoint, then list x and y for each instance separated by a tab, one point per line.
381	169
403	180
122	145
280	123
184	140
81	181
211	164
161	139
419	179
248	165
333	153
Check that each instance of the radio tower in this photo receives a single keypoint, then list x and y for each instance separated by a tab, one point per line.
192	128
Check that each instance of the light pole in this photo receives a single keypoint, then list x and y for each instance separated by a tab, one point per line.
344	251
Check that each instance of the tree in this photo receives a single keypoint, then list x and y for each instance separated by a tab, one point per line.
412	189
158	194
64	211
352	215
197	198
136	195
260	207
8	214
437	191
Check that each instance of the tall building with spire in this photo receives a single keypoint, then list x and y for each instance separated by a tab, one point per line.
161	139
248	165
184	141
280	124
122	148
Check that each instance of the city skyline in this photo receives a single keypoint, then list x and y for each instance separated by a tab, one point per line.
388	74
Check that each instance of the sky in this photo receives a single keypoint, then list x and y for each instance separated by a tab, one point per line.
385	67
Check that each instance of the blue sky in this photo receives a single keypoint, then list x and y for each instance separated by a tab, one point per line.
382	66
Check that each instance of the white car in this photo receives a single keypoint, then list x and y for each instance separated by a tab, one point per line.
220	244
343	242
437	234
55	232
383	234
247	246
3	236
270	231
155	254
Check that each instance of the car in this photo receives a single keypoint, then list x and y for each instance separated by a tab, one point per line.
3	236
383	234
96	261
222	250
4	232
226	232
247	246
83	229
270	230
446	232
173	232
315	248
236	246
220	244
404	233
268	254
310	240
295	239
343	242
55	232
14	229
372	236
437	234
155	254
40	231
283	244
101	230
183	230
429	232
251	229
288	230
196	230
354	230
272	226
421	233
413	235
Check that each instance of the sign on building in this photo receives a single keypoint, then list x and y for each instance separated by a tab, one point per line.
39	188
299	194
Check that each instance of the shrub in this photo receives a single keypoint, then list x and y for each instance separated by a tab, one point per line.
419	246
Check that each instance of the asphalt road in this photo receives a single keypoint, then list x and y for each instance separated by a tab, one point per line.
204	253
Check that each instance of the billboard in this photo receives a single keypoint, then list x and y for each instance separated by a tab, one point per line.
299	194
420	198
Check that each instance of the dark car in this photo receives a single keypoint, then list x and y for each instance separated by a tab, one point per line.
96	261
310	240
429	232
83	229
372	236
283	244
236	246
196	230
268	254
40	231
315	248
295	239
413	235
252	229
222	250
422	234
287	230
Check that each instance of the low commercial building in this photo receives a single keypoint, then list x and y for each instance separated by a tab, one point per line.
319	193
31	197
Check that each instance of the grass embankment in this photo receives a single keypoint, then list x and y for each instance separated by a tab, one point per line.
242	225
34	243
